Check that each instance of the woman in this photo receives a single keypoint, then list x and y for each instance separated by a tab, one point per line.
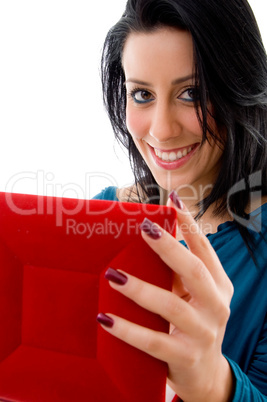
185	86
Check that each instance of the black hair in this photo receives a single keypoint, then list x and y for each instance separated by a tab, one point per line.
231	71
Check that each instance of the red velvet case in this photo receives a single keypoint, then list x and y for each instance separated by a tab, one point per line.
53	255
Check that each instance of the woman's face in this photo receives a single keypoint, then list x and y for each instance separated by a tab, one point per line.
160	113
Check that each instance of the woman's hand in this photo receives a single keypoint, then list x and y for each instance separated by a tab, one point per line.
197	309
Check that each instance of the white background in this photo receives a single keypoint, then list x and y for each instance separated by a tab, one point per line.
55	137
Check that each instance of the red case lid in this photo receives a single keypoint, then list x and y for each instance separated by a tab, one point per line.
53	255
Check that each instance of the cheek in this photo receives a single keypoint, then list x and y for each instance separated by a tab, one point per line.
191	122
213	125
136	123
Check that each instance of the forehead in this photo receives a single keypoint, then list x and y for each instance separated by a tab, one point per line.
166	49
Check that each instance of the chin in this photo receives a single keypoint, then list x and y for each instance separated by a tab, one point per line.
167	185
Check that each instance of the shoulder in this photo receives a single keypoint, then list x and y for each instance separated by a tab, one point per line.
124	194
108	193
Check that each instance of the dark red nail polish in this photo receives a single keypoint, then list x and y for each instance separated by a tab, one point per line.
105	320
176	200
115	276
151	229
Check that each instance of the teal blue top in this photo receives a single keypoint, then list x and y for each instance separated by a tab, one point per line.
245	341
109	193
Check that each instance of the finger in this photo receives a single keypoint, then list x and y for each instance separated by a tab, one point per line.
194	275
159	301
199	244
157	344
196	241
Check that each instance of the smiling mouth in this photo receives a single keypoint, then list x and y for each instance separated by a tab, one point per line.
174	155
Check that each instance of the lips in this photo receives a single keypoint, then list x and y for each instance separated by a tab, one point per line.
175	158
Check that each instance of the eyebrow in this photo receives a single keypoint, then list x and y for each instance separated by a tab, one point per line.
174	82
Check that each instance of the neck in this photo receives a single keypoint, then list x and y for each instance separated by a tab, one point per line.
191	196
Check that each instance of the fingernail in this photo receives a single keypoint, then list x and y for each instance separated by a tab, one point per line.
115	276
105	320
151	229
176	199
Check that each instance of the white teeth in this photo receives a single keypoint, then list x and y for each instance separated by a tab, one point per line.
165	156
158	153
172	156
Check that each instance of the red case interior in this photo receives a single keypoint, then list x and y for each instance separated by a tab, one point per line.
53	255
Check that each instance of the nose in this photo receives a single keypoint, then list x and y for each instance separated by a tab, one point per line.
165	124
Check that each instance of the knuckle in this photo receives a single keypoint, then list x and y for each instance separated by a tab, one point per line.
225	313
151	344
199	271
201	244
230	289
222	313
191	359
172	306
210	335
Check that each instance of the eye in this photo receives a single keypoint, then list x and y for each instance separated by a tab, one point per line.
141	96
190	95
